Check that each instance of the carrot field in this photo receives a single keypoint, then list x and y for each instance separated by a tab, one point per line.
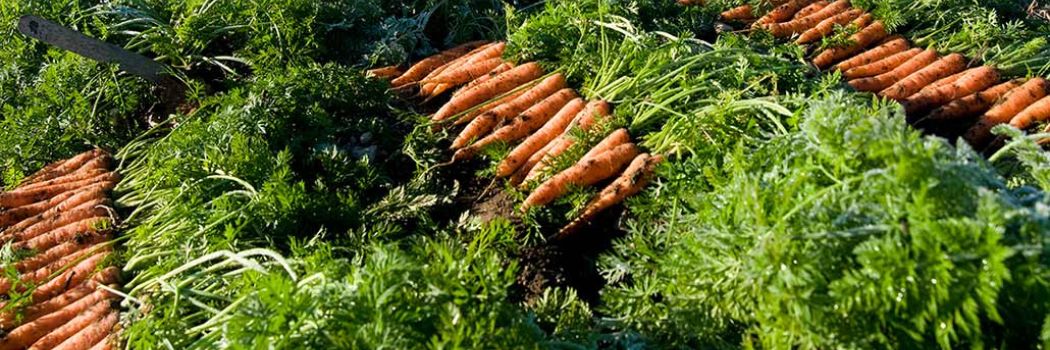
559	174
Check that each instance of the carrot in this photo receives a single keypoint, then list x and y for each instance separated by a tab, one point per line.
14	215
76	230
35	331
586	172
57	252
484	53
882	66
521	126
98	207
67	330
60	168
63	307
90	169
104	344
434	84
911	84
22	197
806	22
809	10
1014	102
539	139
739	13
615	138
88	336
494	72
531	96
82	271
825	27
884	80
385	73
591	114
633	180
858	41
429	64
43	273
478	128
90	193
502	83
973	104
1037	112
466	73
889	47
470	116
783	12
964	83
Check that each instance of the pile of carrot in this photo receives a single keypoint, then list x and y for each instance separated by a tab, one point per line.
492	102
947	89
57	222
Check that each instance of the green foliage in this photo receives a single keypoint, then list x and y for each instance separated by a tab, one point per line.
853	232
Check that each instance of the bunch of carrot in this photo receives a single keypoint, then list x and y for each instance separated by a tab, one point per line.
497	102
57	221
942	88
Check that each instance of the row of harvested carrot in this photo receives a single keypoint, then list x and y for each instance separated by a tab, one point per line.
941	89
498	102
58	223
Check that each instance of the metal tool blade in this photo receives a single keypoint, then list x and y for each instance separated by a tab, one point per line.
65	38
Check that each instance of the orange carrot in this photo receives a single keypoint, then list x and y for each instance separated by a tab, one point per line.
539	139
614	139
81	272
14	215
67	330
61	308
973	104
57	252
105	344
94	333
911	84
739	13
633	180
1013	103
825	27
502	83
60	168
466	73
429	64
92	168
809	10
22	197
75	230
591	114
783	12
884	80
494	72
858	41
42	274
891	46
584	173
884	65
521	126
90	193
807	22
965	83
29	333
531	96
385	73
1037	112
93	208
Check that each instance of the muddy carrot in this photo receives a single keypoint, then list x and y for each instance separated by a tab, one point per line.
61	308
884	80
584	173
19	197
60	168
550	130
884	65
88	336
14	215
807	22
974	104
827	26
1013	103
93	314
858	41
502	83
591	114
522	125
911	84
1038	111
739	13
633	180
966	83
90	193
891	46
494	72
614	139
385	73
783	12
81	272
429	64
809	10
